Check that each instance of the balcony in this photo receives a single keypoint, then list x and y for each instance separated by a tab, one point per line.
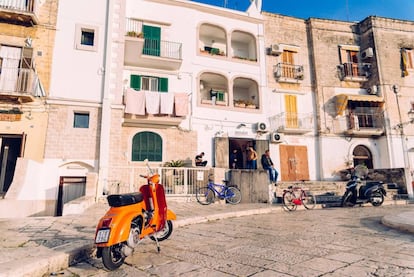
154	109
358	72
20	85
292	123
20	12
149	52
364	122
288	73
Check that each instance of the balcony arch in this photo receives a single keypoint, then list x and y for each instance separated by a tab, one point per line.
245	93
212	40
213	89
243	46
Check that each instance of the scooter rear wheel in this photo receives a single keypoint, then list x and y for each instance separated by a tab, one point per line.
165	233
376	198
112	257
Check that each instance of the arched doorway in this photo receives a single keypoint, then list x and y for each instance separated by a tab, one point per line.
362	155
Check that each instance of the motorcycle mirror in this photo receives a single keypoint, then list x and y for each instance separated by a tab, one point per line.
146	161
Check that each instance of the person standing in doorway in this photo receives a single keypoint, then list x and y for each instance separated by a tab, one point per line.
268	165
251	158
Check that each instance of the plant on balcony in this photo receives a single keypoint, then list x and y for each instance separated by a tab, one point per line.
174	163
135	34
239	103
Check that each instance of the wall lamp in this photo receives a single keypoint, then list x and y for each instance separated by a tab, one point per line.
411	120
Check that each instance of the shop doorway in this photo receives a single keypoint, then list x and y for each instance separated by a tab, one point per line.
225	146
362	156
11	149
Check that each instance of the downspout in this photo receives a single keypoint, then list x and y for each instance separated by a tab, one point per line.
104	145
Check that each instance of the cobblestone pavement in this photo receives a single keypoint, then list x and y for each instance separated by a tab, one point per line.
323	242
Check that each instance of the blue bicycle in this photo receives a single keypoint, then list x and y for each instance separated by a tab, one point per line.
206	195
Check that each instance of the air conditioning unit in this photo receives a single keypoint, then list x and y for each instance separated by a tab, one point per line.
276	137
373	90
276	49
367	53
261	127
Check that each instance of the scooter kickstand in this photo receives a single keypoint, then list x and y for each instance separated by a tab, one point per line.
158	244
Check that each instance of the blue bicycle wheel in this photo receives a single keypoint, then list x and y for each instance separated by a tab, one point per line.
205	195
232	195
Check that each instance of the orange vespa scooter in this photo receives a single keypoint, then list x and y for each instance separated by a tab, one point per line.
132	217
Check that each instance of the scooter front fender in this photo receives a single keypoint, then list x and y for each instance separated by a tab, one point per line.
171	215
120	224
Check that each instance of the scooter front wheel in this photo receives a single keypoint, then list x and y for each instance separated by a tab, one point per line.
112	257
347	199
165	233
376	198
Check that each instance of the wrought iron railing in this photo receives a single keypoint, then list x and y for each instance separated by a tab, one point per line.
19	80
364	119
19	5
288	120
290	71
153	47
350	70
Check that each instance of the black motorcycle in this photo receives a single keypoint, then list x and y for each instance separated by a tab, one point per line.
369	192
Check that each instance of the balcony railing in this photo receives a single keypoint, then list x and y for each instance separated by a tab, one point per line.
153	47
288	71
22	11
292	122
355	70
20	82
162	48
360	123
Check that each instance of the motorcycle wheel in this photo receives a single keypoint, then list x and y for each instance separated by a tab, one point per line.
112	257
376	198
347	200
165	233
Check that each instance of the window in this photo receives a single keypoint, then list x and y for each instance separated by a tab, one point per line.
407	62
149	83
146	145
86	37
81	120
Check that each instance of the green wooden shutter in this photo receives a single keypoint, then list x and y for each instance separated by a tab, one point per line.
135	82
152	36
163	85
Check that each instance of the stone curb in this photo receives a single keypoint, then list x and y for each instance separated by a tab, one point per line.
400	221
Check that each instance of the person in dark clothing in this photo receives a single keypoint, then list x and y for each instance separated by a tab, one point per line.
199	160
267	164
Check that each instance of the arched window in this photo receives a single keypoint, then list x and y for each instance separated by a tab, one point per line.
362	155
146	145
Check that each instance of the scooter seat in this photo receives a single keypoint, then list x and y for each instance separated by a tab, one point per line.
119	200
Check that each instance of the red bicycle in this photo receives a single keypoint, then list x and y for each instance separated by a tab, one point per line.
294	196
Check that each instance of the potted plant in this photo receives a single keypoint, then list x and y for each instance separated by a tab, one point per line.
176	178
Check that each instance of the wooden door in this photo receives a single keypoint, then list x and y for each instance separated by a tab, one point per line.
293	163
221	155
291	111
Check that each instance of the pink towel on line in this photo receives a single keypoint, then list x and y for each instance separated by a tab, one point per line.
181	104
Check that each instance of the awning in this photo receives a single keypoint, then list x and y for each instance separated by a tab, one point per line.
342	101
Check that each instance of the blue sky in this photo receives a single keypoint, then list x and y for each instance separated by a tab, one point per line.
348	10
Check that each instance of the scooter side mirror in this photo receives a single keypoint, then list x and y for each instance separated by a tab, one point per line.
146	162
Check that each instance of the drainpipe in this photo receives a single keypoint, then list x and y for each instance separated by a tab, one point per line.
104	145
